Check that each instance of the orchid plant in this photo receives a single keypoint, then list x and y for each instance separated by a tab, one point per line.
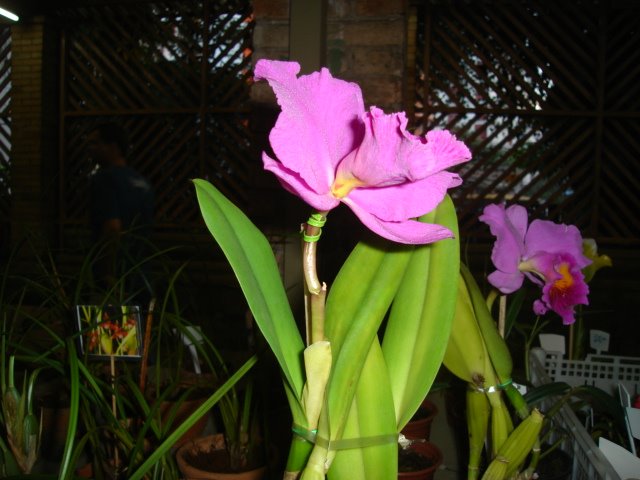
351	385
552	256
557	260
548	254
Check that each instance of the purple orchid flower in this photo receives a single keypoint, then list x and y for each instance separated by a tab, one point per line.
548	253
329	150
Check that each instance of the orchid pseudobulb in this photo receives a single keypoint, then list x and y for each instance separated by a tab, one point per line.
547	253
330	150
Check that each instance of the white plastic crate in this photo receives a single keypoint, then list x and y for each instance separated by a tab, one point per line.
589	463
602	371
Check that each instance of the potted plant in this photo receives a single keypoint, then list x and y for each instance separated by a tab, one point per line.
110	416
350	393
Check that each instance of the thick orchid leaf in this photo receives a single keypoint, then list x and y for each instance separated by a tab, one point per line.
253	263
420	321
370	426
356	305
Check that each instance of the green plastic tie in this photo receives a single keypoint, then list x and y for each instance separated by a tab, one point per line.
345	443
311	238
315	220
505	384
492	388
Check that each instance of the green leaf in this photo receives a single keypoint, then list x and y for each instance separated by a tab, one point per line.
66	468
356	305
371	425
420	321
253	263
169	442
536	395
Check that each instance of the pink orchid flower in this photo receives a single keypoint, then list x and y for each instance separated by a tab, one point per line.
329	150
548	253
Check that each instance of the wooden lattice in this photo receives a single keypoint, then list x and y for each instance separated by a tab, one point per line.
5	123
176	74
546	95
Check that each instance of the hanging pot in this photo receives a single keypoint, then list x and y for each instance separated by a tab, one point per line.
206	458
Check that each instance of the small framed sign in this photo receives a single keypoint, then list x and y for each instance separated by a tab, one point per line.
110	330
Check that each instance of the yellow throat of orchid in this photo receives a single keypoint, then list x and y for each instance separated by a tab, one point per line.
566	279
563	283
343	185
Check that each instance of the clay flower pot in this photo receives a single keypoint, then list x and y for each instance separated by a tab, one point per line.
206	458
419	462
419	427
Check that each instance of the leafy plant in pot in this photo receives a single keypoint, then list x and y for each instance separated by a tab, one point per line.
351	390
237	451
39	332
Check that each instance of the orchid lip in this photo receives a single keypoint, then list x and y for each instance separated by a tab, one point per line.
341	188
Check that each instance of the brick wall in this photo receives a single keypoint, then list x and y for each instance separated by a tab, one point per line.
365	44
27	213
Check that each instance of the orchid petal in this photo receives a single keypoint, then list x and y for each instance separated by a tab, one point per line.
409	231
444	151
408	200
562	306
540	308
293	183
546	236
509	245
564	284
506	282
319	123
389	155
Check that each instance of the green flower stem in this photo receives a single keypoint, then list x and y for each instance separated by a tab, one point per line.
310	234
315	291
535	330
317	304
309	253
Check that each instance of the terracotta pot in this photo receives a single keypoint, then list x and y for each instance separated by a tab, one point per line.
429	451
210	446
419	427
